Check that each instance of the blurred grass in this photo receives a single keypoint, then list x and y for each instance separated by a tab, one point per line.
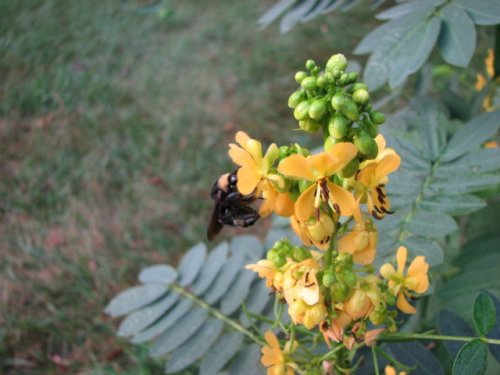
113	126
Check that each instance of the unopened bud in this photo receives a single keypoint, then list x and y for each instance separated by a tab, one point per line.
337	126
301	112
299	76
309	83
317	109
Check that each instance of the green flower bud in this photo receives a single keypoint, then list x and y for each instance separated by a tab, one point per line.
371	129
358	86
301	112
378	118
391	300
299	254
350	110
310	64
279	261
272	254
284	151
309	83
340	291
329	142
310	125
338	101
350	169
317	109
361	96
299	76
322	81
337	126
344	260
349	278
296	98
366	145
344	79
328	279
353	77
378	315
337	61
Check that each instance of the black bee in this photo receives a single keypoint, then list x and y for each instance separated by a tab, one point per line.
231	207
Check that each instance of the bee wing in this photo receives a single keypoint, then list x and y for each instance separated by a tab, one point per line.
214	226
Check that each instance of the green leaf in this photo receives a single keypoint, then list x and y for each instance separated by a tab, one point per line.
472	359
213	264
191	264
483	313
450	324
414	354
417	43
463	184
134	298
423	246
158	274
432	224
495	333
408	8
294	15
179	333
237	292
164	322
193	349
247	362
457	39
478	161
225	278
482	12
142	318
275	12
220	353
454	205
478	130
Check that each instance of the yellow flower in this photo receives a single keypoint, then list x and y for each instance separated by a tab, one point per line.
253	165
274	201
266	269
335	331
315	231
317	169
361	242
389	370
491	144
490	63
480	82
273	358
370	181
364	298
416	278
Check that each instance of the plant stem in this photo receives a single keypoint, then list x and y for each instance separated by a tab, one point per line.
216	313
375	361
424	336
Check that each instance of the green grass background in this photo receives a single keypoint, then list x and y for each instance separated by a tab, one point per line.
113	126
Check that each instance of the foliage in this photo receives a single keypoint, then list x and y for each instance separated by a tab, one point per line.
402	45
191	313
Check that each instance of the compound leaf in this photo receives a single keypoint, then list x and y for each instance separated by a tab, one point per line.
457	39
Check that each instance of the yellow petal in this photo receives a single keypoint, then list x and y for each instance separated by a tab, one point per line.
248	178
401	256
404	305
343	198
322	164
272	154
304	206
284	205
380	140
296	166
387	270
343	153
418	266
254	148
271	339
242	138
386	166
389	370
364	257
299	231
239	156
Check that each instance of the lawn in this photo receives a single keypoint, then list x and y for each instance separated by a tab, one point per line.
114	124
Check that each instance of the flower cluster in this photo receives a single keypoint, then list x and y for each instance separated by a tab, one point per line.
331	198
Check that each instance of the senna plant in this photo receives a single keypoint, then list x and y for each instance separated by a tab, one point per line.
319	299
